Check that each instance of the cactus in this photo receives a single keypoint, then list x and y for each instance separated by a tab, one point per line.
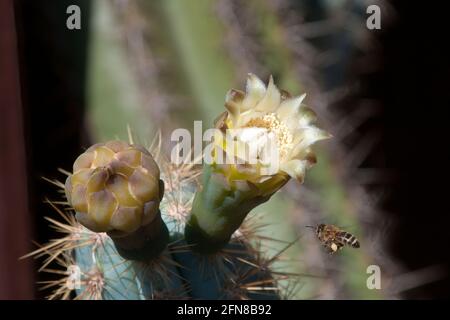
140	227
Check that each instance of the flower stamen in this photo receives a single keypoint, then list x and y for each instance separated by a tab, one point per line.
271	122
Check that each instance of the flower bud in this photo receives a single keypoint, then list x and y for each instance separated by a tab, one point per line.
114	188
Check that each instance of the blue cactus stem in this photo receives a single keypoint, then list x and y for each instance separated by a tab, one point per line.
125	279
118	275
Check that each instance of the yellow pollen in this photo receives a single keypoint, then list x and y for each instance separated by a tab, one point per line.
271	122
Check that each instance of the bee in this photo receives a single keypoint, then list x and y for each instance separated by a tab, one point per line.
333	238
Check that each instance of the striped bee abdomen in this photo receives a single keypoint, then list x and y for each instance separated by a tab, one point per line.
349	239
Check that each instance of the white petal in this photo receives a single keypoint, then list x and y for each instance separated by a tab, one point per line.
233	101
290	107
310	136
307	117
255	91
245	117
271	100
232	107
292	123
306	155
295	168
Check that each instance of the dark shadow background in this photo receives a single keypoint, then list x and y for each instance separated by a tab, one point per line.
410	81
413	87
53	73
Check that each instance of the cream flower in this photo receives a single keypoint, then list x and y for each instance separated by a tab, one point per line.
266	121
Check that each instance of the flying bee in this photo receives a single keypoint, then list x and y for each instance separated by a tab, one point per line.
333	238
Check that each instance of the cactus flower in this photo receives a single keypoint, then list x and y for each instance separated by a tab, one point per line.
256	118
262	124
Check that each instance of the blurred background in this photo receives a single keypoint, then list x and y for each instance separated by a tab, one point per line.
160	65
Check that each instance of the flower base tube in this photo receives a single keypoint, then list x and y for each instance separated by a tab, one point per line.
219	209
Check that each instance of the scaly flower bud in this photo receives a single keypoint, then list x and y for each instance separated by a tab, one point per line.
115	188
